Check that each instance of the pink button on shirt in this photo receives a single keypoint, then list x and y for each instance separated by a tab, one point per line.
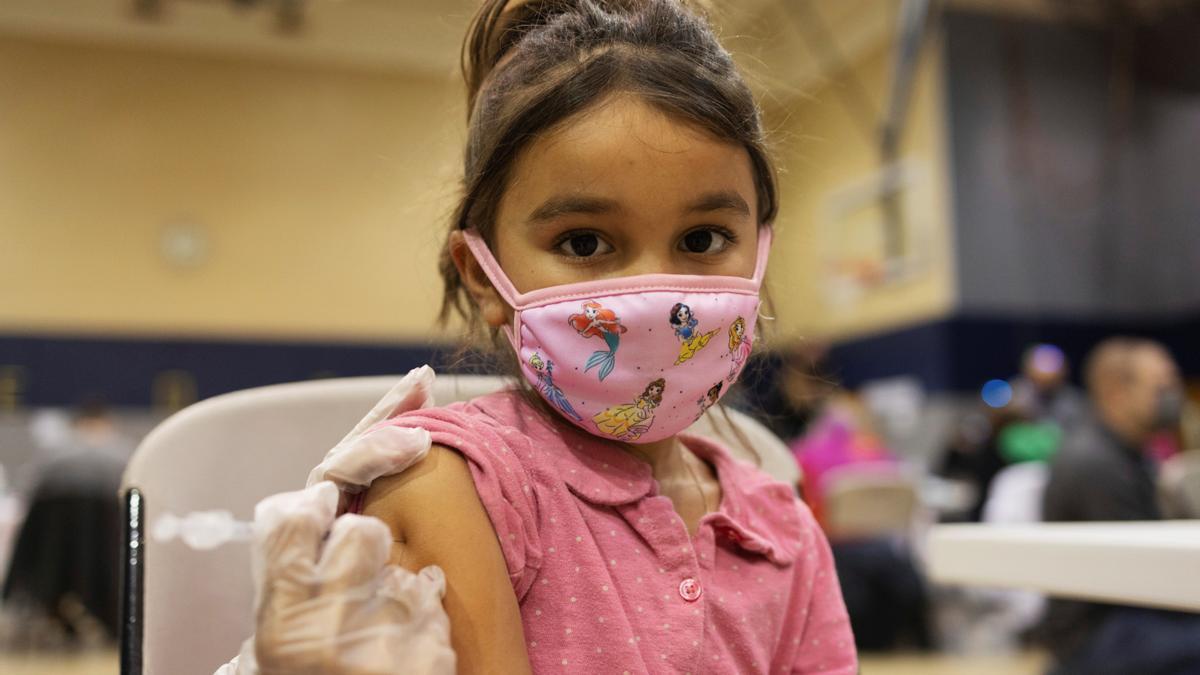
607	577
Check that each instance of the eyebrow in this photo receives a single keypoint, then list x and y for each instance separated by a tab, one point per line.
556	207
722	200
563	205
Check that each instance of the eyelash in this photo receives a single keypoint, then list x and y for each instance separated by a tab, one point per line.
563	238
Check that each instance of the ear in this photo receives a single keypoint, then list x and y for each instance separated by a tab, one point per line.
492	308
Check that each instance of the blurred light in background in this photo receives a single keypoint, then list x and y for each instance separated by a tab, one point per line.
997	393
1047	359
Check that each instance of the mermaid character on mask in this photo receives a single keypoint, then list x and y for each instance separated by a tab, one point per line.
597	321
551	392
739	347
627	422
684	324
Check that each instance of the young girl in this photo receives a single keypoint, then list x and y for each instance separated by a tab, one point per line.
614	157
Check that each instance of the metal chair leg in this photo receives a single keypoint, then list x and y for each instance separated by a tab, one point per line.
132	590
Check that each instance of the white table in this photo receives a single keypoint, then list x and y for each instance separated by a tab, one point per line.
1155	564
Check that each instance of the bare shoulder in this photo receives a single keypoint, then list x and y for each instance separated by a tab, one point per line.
436	518
427	503
442	473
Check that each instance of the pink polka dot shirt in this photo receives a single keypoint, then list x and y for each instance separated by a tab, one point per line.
608	578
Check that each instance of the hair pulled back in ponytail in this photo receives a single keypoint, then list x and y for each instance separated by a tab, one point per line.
529	66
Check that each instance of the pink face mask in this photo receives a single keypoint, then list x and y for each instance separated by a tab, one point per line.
633	359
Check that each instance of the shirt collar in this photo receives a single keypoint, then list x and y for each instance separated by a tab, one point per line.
600	473
757	514
595	470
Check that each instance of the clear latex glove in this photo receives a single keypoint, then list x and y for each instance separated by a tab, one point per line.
309	633
337	607
361	457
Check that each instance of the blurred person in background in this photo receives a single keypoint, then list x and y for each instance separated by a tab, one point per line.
1103	473
62	581
68	449
975	454
1025	424
884	592
1002	449
1043	392
842	435
1179	475
1189	427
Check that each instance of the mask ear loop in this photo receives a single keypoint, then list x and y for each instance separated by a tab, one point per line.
483	255
491	268
766	234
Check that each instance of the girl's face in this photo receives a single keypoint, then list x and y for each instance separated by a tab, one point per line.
620	190
739	328
654	390
683	314
591	312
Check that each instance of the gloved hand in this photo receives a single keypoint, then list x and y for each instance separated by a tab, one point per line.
362	456
341	609
338	607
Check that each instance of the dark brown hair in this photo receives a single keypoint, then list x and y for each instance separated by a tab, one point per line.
530	67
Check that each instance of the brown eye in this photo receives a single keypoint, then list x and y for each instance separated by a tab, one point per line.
705	240
583	245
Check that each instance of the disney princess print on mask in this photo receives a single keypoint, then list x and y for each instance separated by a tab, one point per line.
566	324
739	347
709	399
549	390
627	422
597	321
692	340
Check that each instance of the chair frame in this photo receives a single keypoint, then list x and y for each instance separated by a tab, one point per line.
132	588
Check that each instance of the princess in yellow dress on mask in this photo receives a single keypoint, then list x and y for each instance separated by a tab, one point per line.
627	422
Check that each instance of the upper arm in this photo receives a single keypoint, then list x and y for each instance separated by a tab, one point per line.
436	518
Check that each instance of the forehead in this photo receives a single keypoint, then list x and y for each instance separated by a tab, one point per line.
627	150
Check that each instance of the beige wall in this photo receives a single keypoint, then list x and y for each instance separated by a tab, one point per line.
324	193
823	151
